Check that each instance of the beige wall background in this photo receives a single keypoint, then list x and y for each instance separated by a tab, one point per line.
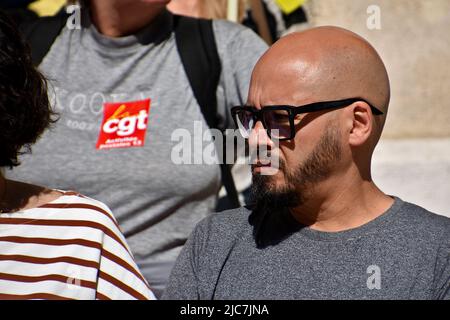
414	43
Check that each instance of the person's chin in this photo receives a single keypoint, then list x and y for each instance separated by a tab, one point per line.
271	177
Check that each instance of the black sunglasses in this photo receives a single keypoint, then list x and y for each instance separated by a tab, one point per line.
279	121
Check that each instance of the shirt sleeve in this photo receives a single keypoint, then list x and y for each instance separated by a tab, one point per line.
118	276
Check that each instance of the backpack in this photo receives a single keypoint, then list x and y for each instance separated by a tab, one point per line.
198	52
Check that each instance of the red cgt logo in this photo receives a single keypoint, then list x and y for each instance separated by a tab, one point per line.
124	125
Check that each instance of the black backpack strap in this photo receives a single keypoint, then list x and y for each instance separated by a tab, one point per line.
198	51
42	33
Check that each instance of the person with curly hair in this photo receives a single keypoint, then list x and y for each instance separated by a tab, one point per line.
53	244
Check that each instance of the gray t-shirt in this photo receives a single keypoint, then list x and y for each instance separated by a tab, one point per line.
156	202
403	254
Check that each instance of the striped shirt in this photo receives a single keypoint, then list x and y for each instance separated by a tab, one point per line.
70	248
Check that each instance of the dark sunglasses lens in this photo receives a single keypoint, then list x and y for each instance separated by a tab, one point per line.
278	123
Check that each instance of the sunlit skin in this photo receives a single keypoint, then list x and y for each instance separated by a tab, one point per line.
118	18
19	196
323	64
189	8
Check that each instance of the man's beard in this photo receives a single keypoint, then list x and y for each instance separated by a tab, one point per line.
271	205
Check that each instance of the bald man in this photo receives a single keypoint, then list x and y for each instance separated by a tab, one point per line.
319	228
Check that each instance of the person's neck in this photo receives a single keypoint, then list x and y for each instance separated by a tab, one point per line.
114	19
189	8
341	203
17	196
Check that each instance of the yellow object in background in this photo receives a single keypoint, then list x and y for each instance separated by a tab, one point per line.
47	7
289	6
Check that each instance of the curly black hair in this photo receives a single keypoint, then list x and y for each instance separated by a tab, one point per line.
25	111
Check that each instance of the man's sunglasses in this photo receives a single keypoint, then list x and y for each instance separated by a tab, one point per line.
280	121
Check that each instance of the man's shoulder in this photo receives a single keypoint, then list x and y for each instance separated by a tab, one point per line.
228	33
228	222
430	226
228	217
230	28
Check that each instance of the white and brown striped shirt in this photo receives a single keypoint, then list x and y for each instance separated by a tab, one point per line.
70	248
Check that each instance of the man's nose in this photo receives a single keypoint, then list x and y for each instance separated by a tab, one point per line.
258	136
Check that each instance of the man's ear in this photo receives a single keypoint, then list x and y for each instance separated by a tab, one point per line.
362	125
